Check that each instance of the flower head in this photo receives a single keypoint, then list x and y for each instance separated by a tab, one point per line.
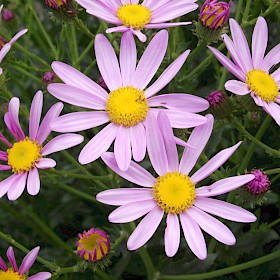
48	77
260	184
215	98
7	15
27	154
129	100
174	191
253	69
134	17
93	245
56	4
15	273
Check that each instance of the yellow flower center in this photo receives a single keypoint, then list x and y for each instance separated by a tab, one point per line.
208	21
23	155
127	106
11	275
174	192
262	84
134	15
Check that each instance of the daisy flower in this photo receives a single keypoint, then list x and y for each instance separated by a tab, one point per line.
253	69
174	192
133	16
15	273
27	154
128	102
5	47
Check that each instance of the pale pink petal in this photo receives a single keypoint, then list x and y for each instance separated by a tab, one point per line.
79	121
17	189
272	58
17	36
138	141
214	163
45	163
145	229
135	173
273	110
132	211
62	142
148	3
224	185
212	226
99	144
150	60
104	14
169	73
193	235
3	265
40	276
118	197
5	167
237	87
4	140
4	51
172	235
121	28
142	37
107	62
8	183
224	210
1	70
113	4
11	258
166	25
33	182
257	99
197	140
35	114
276	75
28	260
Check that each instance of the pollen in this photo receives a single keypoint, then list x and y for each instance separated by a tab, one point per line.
134	15
127	106
11	275
23	155
174	192
262	84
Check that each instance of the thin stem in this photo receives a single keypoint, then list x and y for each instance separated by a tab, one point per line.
272	171
247	10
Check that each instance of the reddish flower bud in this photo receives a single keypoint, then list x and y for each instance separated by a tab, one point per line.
260	184
7	15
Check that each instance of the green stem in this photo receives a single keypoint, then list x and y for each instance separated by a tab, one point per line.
81	26
272	171
247	10
27	73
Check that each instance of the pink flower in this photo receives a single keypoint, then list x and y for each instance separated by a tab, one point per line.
133	16
174	191
129	100
18	273
260	184
253	70
27	154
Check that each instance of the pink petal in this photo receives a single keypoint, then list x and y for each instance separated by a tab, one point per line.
273	110
150	60
17	36
4	140
35	114
121	28
166	25
142	37
29	260
33	182
113	4
224	186
214	163
212	226
99	144
276	75
138	141
145	229
169	73
118	197
40	276
198	141
3	53
237	87
172	235
135	173
17	189
8	183
257	99
12	259
45	163
62	142
107	62
3	265
132	211
272	58
193	235
5	167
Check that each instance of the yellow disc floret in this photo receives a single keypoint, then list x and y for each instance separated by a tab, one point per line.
24	155
262	84
134	15
174	192
11	275
127	106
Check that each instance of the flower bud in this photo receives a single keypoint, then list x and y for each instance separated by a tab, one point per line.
7	15
260	184
63	9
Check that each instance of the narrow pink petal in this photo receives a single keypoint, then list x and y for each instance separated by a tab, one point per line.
4	51
1	7
5	167
150	60
121	28
33	182
1	70
8	183
118	197
79	121
99	144
198	141
4	140
273	110
28	260
40	276
62	142
122	148
35	114
113	4
11	258
272	58
45	163
166	25
107	62
214	163
172	235
17	189
148	3
212	226
132	211
3	265
169	73
17	36
276	75
257	99
103	13
259	42
224	186
155	146
135	173
128	57
193	235
224	210
237	87
45	129
142	37
145	229
73	77
138	141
